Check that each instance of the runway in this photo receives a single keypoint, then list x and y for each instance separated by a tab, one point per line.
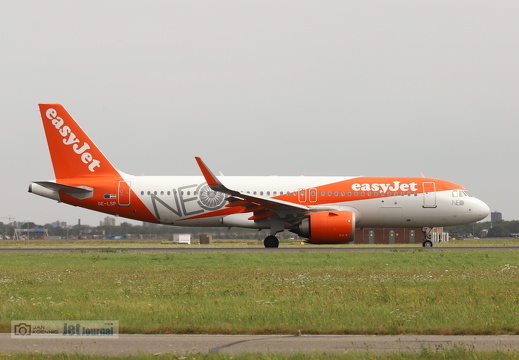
239	344
202	249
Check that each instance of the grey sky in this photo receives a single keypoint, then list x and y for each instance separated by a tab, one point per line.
265	88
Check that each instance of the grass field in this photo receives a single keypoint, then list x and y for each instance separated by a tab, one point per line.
397	292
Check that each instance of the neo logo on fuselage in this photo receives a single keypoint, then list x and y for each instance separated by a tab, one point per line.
188	200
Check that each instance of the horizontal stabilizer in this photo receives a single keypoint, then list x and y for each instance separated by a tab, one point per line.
51	187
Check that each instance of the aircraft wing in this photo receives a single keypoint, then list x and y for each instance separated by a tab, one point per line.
262	207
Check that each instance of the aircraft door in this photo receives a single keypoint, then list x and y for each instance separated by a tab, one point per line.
123	193
429	195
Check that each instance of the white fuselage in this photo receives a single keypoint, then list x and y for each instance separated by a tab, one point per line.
188	201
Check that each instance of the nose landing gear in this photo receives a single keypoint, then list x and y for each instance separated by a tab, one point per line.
427	243
426	232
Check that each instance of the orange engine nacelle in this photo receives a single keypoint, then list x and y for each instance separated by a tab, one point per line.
328	227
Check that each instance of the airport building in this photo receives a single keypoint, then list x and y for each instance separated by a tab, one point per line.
496	216
398	236
107	221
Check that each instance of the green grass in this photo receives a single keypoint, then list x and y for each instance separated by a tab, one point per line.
398	292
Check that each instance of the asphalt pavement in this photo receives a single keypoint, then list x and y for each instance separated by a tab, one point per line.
136	344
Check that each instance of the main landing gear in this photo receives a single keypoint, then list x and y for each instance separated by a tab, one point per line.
271	242
276	225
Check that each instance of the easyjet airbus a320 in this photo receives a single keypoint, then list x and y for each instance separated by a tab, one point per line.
325	210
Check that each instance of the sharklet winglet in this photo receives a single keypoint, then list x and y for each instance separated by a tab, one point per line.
211	179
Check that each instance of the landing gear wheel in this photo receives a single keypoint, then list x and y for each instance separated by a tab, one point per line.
271	242
427	243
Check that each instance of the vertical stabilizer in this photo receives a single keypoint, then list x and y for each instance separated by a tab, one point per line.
72	152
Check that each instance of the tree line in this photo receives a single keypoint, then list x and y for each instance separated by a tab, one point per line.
126	230
499	229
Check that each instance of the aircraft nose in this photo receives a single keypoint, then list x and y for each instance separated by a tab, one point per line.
480	209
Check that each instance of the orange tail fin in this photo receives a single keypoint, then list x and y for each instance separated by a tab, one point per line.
72	152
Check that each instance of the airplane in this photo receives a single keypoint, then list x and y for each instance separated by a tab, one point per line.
324	210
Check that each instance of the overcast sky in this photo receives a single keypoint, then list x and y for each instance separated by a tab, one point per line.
377	88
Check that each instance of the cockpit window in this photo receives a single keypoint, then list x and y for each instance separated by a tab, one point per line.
460	193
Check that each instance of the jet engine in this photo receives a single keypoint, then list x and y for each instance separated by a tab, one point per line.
328	227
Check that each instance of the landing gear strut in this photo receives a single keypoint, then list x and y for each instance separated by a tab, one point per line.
271	242
276	225
427	238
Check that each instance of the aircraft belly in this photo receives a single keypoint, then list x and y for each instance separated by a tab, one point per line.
390	216
209	222
241	220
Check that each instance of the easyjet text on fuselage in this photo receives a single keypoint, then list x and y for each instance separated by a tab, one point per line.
394	186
